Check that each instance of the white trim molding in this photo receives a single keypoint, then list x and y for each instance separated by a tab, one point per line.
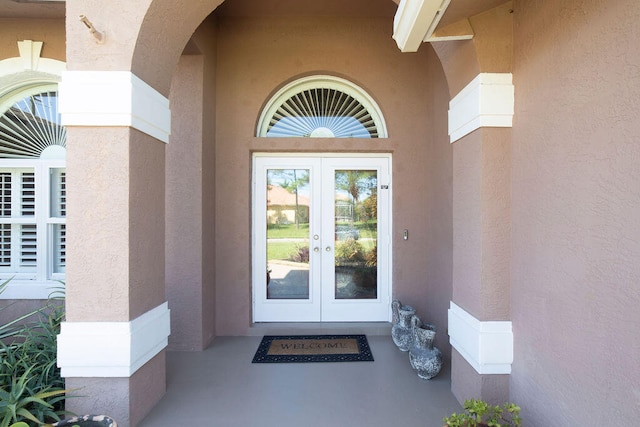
415	21
113	98
488	101
112	349
30	60
29	68
487	346
30	289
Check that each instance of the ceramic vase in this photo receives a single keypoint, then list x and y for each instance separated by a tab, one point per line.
401	331
424	357
87	421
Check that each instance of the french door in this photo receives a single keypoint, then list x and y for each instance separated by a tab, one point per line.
321	238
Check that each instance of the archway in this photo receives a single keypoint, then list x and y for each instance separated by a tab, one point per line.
134	149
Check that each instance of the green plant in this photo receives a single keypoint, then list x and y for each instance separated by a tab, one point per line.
13	327
349	251
31	387
480	413
300	254
20	402
371	257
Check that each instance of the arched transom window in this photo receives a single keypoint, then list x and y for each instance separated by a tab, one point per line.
321	107
30	126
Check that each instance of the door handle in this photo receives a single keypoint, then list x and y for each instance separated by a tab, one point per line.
328	249
316	249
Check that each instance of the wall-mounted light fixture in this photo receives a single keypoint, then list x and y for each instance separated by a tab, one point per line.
95	33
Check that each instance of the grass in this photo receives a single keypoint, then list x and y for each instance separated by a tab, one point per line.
290	231
280	250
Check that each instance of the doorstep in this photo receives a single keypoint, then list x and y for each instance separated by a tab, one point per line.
326	328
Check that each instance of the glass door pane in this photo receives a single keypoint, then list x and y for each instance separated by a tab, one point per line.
287	223
356	234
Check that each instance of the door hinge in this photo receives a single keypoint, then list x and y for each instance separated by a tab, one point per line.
384	187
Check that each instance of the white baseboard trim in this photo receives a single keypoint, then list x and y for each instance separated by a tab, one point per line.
113	98
30	289
112	349
488	101
487	346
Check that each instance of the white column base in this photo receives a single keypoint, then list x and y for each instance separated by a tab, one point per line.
112	349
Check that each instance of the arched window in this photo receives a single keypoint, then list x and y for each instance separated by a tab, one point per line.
321	107
32	185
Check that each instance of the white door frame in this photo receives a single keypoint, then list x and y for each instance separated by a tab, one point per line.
321	306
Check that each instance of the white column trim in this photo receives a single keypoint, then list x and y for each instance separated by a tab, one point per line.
113	98
486	345
487	101
112	349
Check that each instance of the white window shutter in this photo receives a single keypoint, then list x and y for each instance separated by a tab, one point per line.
60	248
28	247
5	245
28	194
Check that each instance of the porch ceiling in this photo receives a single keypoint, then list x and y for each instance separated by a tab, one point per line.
460	9
32	9
457	10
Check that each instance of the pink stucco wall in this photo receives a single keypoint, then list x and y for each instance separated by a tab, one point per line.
576	222
256	55
190	221
481	223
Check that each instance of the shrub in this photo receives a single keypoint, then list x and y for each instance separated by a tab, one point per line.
301	254
349	251
480	413
371	258
31	387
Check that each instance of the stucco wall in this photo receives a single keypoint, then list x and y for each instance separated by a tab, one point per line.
190	222
481	223
255	57
113	183
184	261
437	282
576	222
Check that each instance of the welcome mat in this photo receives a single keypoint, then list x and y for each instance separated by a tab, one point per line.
313	348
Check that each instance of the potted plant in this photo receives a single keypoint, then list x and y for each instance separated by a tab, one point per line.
478	413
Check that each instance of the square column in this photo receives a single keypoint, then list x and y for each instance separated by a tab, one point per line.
111	346
479	317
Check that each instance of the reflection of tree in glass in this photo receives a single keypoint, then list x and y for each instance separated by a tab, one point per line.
358	183
291	180
368	209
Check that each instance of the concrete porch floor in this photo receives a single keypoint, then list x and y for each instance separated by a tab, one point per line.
221	387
